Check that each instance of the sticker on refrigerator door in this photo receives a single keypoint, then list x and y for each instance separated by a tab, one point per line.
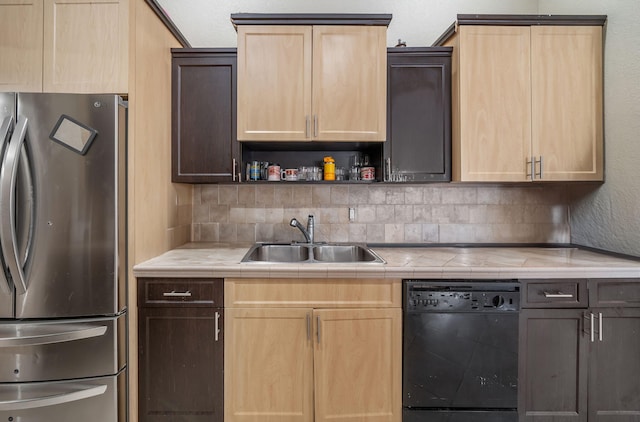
73	134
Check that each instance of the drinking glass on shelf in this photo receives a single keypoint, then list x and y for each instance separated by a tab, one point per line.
354	173
303	171
355	160
314	174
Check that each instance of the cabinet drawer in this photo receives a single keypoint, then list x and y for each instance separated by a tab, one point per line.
313	293
608	293
570	293
180	292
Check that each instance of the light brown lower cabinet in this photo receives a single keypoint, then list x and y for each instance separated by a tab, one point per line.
324	362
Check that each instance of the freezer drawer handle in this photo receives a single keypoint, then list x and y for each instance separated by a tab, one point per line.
49	336
54	398
8	177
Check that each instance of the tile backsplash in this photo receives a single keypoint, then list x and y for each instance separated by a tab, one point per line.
434	213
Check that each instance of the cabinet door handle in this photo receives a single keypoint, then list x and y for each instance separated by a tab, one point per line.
531	168
307	126
308	327
216	335
318	328
387	173
233	172
534	166
177	294
557	295
600	326
315	125
593	333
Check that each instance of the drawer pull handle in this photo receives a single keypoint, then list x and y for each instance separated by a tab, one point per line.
558	295
177	294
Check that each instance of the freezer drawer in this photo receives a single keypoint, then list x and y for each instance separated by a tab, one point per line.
101	399
62	350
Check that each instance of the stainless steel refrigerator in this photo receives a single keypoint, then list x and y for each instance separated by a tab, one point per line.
63	240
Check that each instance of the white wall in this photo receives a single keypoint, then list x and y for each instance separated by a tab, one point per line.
608	216
205	23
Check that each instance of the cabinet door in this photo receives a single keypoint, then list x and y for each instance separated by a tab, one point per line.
349	83
268	365
274	83
180	364
567	119
21	46
495	103
204	145
553	366
419	114
86	46
357	360
614	366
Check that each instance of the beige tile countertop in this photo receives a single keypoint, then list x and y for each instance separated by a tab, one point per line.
218	260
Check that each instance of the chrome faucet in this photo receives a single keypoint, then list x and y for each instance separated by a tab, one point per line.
308	232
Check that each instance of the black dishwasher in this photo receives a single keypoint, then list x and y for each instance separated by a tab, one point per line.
460	350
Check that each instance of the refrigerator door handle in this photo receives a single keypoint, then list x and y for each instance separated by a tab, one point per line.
52	396
5	129
8	235
33	335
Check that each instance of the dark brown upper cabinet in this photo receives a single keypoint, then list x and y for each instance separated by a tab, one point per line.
418	146
204	140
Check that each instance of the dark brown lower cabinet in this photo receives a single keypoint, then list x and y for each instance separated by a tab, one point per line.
614	367
553	365
180	350
582	364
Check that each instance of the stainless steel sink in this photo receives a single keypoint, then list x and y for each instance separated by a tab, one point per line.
311	253
344	253
277	253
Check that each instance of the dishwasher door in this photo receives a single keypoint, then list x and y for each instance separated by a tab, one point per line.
460	360
460	348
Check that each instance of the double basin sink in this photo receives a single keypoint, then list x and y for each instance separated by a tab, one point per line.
311	253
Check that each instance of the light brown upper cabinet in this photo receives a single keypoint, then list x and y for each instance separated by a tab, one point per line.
21	46
312	83
527	99
76	46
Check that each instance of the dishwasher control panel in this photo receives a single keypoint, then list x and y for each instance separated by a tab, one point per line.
461	296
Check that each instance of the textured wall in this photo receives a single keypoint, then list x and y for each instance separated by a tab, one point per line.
205	23
391	213
608	216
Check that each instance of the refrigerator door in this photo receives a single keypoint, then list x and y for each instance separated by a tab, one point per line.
7	123
67	234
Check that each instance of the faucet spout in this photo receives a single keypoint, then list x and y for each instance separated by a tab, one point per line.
308	232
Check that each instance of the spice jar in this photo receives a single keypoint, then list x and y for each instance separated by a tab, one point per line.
329	168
